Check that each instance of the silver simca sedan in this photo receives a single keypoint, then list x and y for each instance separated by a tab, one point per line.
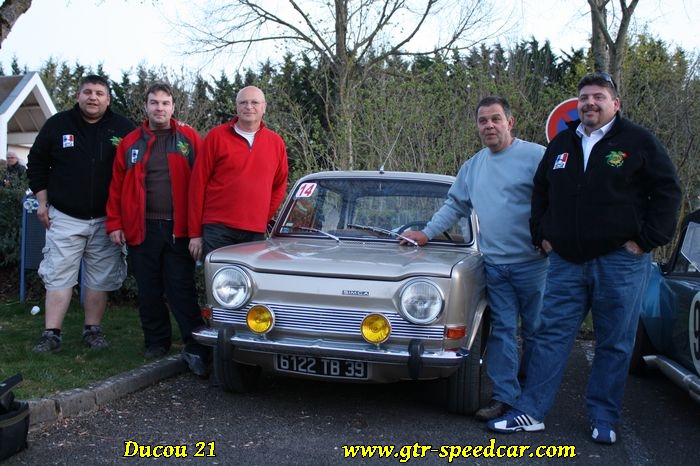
332	295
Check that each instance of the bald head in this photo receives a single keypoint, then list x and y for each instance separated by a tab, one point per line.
250	108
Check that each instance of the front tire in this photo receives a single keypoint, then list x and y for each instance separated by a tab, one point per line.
233	376
642	346
466	387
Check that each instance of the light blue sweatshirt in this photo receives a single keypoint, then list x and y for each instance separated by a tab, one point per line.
498	187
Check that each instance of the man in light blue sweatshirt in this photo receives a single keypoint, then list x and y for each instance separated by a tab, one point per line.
496	183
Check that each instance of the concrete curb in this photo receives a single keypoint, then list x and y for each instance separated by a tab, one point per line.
91	398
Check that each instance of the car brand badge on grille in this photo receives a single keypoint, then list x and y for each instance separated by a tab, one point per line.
355	293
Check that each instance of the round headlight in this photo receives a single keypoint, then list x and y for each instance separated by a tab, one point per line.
421	301
375	328
260	319
231	287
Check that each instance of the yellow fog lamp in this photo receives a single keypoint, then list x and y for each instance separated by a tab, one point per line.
260	319
375	328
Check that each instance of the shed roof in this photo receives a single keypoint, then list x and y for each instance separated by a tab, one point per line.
25	105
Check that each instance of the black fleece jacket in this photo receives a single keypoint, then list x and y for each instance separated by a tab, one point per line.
629	191
72	159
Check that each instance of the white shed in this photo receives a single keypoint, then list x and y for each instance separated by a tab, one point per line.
25	105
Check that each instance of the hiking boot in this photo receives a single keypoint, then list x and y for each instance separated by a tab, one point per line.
94	338
196	364
493	410
515	421
155	352
48	342
603	432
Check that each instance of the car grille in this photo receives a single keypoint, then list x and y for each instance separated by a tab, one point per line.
329	321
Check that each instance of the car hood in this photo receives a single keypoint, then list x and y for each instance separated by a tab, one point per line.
326	257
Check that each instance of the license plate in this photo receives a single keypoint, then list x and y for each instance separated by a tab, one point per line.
321	366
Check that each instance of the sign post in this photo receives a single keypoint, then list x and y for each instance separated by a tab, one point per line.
563	113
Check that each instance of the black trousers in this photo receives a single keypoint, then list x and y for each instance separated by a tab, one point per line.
217	236
164	269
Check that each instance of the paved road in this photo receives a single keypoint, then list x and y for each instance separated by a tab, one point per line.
300	422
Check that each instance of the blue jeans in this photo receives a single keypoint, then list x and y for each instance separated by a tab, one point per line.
514	291
612	287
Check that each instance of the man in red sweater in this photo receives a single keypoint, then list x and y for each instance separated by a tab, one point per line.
239	181
147	211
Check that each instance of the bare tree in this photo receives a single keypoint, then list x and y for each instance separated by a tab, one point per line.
10	11
609	53
349	37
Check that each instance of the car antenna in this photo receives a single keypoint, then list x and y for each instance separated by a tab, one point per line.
381	168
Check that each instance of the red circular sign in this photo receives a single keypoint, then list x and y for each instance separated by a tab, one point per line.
560	116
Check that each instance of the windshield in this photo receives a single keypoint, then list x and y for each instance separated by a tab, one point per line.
691	247
346	208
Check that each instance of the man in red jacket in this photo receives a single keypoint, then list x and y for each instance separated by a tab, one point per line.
147	211
239	181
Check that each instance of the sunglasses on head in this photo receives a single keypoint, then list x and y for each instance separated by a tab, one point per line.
600	76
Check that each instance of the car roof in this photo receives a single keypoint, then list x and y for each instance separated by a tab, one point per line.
380	174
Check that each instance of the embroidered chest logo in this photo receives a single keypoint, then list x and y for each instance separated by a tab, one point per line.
560	161
115	140
183	147
68	140
134	155
616	158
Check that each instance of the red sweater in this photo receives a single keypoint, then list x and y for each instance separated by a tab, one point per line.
236	185
126	206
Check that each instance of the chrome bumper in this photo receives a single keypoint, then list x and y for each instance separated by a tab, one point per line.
333	349
677	373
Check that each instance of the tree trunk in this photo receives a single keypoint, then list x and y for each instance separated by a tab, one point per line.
343	67
608	54
599	29
10	11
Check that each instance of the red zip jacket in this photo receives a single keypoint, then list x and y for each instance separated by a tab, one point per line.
238	185
126	206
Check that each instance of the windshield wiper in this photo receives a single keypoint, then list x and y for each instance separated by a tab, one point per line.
316	230
383	231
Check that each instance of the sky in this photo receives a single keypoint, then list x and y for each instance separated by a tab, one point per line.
121	34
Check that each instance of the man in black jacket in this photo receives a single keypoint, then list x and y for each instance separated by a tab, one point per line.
69	171
605	195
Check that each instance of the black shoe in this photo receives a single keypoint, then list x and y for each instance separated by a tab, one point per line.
49	342
196	364
155	352
493	410
94	338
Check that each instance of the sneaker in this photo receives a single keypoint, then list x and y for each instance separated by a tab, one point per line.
94	338
48	342
155	352
195	363
493	410
515	421
603	432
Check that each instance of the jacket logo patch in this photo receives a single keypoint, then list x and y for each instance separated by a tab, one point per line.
560	162
115	140
183	147
68	140
616	158
134	155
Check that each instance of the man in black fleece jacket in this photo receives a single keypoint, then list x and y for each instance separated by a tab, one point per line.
605	194
69	171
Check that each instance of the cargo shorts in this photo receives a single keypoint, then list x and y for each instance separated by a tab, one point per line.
71	240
